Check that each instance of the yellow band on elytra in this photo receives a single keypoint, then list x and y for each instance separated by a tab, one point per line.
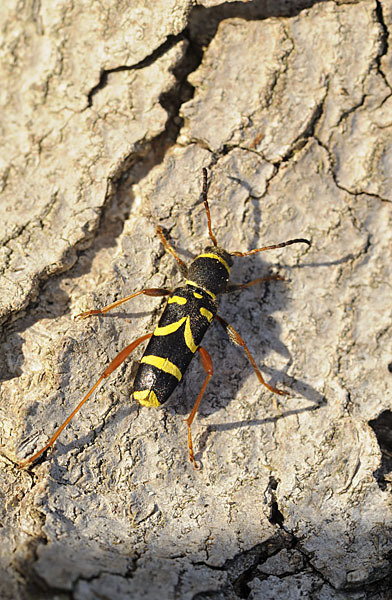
190	342
206	313
189	282
177	300
171	328
146	398
163	364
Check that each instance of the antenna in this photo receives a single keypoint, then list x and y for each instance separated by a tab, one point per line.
204	197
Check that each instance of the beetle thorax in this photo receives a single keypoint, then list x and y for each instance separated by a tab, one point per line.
211	270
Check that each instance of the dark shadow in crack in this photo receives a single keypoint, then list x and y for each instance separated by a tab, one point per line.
204	21
382	427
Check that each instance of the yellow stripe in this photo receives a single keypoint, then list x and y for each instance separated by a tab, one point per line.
190	342
171	328
189	282
206	313
177	300
146	398
163	364
217	257
196	295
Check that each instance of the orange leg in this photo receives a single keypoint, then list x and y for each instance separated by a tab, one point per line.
233	287
116	362
102	311
207	365
237	339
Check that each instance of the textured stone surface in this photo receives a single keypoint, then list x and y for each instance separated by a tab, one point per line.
290	112
75	107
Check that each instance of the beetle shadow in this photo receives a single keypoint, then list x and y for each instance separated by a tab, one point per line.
221	348
117	411
234	425
259	298
218	343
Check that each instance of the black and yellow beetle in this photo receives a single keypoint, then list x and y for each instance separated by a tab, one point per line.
189	312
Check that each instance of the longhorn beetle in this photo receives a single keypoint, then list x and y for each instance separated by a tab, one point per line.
189	312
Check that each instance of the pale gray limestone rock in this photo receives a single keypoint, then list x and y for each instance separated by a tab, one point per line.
109	113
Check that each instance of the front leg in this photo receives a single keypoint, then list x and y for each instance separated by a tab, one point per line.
105	309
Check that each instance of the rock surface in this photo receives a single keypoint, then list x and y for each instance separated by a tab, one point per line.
107	119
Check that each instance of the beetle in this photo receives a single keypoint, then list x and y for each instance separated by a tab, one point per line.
189	312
